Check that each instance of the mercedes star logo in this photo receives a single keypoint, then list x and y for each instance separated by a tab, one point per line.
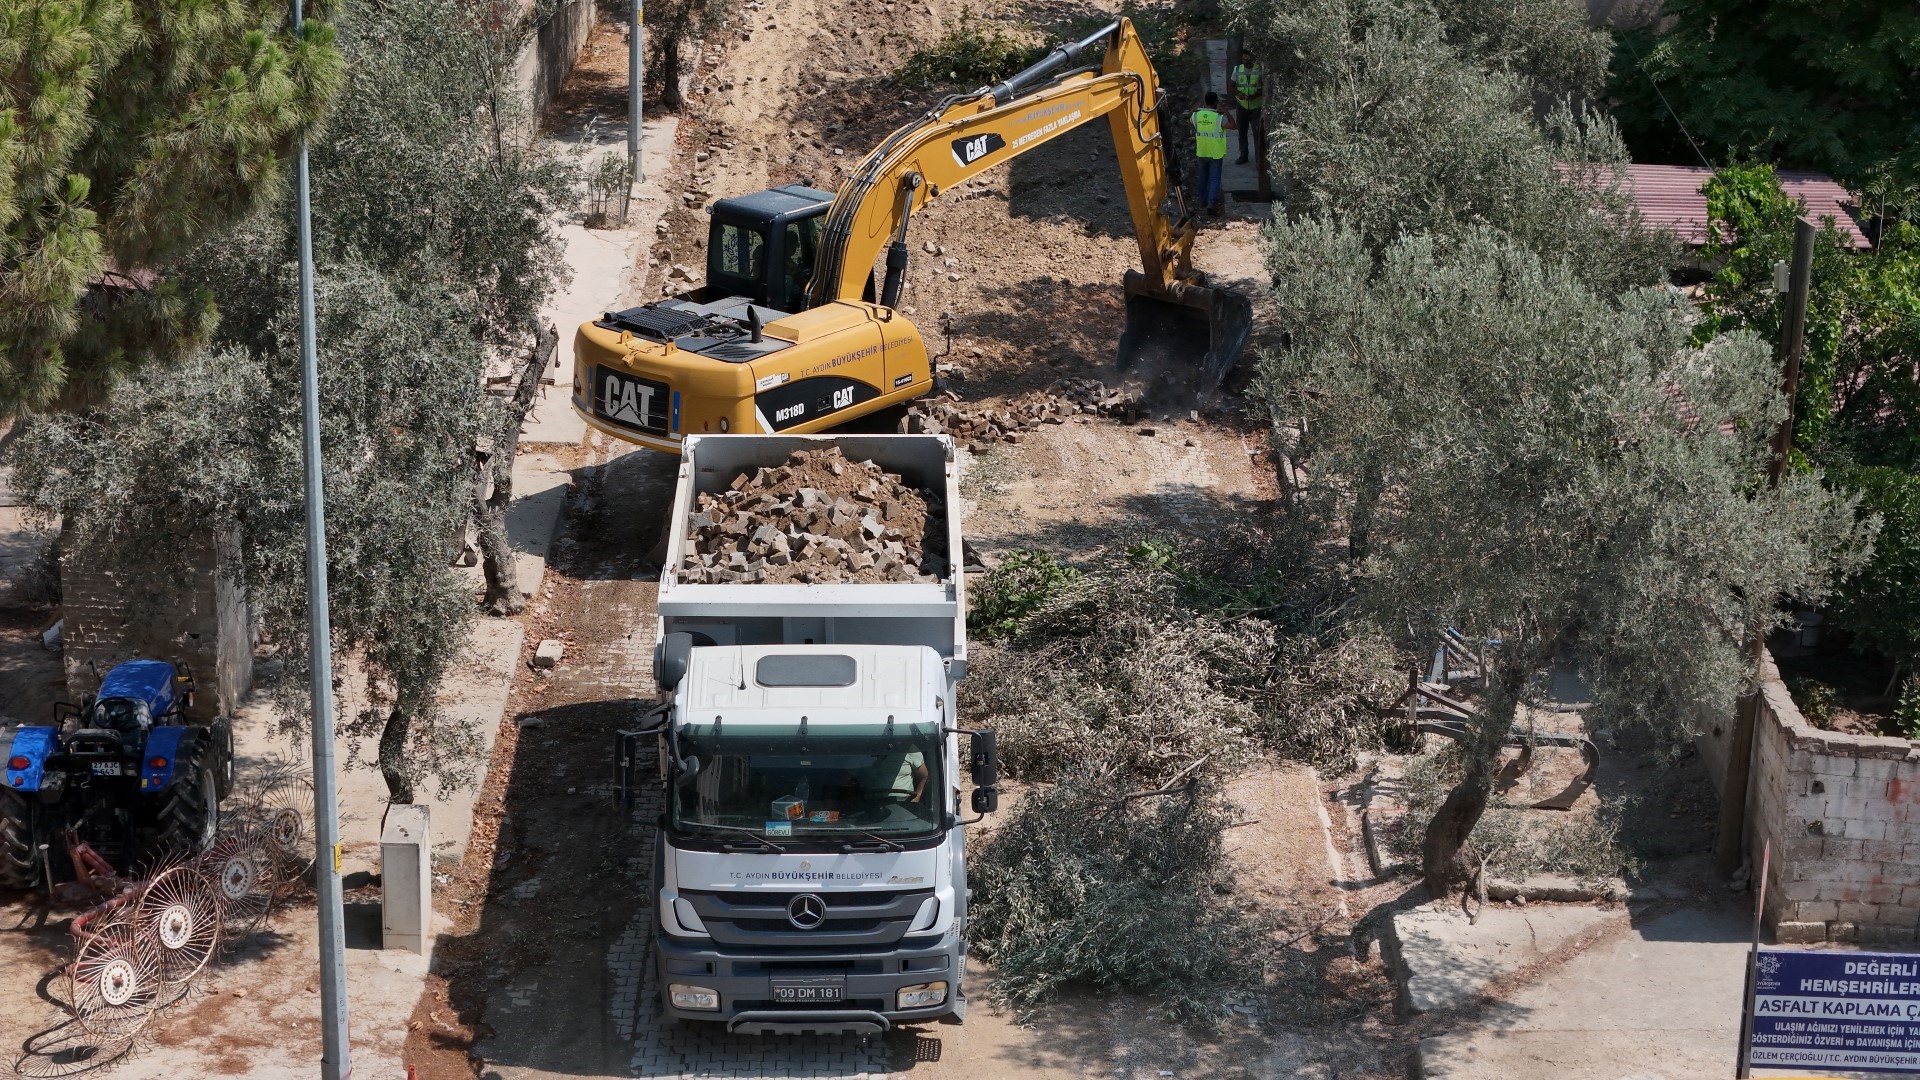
806	911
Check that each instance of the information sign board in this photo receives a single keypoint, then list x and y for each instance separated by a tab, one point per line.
1854	1011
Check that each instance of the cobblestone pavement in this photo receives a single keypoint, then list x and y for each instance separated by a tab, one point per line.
570	920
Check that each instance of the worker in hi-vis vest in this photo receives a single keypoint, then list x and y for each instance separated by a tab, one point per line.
1210	127
1249	93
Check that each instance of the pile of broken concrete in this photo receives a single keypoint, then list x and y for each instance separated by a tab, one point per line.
973	423
817	518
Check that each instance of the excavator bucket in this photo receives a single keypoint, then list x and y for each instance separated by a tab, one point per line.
1192	334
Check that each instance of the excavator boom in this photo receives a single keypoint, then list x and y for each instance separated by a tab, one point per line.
1167	301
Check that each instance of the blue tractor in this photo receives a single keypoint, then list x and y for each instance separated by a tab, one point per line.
124	772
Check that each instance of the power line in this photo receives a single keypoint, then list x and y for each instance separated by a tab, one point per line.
1655	83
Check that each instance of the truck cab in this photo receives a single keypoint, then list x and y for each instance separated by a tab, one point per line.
810	865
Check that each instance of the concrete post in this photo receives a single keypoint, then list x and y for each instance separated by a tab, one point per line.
406	880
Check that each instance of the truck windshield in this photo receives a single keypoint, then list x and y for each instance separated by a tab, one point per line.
834	788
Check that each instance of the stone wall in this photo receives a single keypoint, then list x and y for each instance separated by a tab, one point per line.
1842	815
207	626
549	56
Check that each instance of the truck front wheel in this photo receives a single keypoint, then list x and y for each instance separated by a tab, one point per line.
19	857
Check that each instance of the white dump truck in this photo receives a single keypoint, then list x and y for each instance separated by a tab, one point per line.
810	861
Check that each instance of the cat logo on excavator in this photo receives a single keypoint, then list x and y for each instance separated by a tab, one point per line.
789	333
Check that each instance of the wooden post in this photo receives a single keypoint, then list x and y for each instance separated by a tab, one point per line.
1729	841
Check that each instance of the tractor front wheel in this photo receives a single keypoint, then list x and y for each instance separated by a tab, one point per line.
19	855
189	815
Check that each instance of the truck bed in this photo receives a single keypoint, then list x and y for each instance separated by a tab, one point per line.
918	612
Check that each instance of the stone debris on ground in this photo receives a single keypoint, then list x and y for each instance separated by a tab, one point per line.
973	423
817	518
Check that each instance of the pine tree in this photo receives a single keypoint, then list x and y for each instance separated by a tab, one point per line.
130	132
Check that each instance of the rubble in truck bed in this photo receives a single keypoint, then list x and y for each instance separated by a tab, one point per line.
817	518
1069	399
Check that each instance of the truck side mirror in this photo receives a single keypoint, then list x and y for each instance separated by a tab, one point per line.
670	660
688	768
984	765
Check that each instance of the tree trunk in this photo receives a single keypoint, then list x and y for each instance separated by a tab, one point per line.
394	767
1360	526
1441	863
670	66
496	553
490	513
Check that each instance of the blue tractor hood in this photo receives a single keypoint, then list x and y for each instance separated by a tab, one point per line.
149	681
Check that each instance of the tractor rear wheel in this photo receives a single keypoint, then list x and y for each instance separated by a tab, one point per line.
189	815
19	857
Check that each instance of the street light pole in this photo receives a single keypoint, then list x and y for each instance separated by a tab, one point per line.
636	47
336	1057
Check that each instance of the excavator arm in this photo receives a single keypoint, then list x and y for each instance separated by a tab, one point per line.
970	134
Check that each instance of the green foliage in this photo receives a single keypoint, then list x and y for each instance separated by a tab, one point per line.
1831	86
1818	701
1544	45
1023	581
1857	413
1881	603
1081	885
431	173
1906	712
1391	124
1143	665
1515	447
128	133
1750	226
972	52
671	26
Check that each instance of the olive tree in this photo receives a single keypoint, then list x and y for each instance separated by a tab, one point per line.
1544	466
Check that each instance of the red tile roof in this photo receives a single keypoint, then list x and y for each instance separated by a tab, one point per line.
1669	196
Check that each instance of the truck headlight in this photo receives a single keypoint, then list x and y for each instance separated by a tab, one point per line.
921	995
701	999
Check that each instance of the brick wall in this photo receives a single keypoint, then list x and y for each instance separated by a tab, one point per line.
205	624
1842	813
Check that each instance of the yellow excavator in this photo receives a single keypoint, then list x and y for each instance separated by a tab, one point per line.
788	334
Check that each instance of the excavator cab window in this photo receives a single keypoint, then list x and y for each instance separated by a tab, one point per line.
736	259
803	243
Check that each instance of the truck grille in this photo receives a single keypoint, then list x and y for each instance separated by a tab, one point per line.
862	919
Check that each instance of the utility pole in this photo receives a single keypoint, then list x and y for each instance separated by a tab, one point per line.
636	46
336	1057
1729	841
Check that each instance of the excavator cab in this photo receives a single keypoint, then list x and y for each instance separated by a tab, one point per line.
762	246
